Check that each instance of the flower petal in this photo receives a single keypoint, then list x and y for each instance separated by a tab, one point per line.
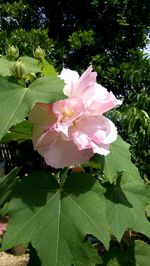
60	153
102	149
95	132
70	77
85	83
67	111
81	140
70	131
102	100
79	87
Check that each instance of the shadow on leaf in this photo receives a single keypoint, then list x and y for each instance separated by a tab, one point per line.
115	193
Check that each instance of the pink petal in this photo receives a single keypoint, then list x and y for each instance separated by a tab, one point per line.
102	100
45	141
102	149
70	77
60	153
81	140
82	87
95	132
85	83
67	111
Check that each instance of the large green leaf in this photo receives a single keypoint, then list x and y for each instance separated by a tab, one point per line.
138	254
119	160
16	101
56	219
125	205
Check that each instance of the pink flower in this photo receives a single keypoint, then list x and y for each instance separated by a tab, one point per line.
95	97
70	131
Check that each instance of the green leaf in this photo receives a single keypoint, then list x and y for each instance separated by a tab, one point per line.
46	68
147	209
7	184
119	160
125	205
5	66
31	64
97	162
138	254
17	101
20	132
56	219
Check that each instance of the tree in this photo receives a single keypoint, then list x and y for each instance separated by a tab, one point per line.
107	34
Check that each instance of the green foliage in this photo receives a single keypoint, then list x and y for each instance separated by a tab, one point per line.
137	254
7	185
5	66
125	201
119	153
136	71
136	123
46	68
20	132
14	13
123	75
56	216
56	219
28	41
81	38
18	99
31	65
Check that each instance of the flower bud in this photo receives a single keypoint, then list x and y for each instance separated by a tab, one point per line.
13	51
18	70
39	53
